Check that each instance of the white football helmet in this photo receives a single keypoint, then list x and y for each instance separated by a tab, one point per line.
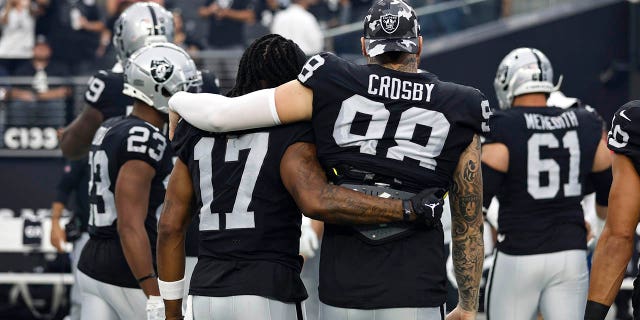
141	24
523	71
156	72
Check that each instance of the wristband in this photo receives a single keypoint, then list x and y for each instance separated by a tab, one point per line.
595	311
171	290
406	210
147	277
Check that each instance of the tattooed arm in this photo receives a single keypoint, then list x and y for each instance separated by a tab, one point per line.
302	175
466	231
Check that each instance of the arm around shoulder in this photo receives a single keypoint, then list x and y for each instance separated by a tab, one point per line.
262	108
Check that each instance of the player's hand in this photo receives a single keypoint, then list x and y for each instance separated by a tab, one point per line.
308	239
155	308
58	237
460	314
428	205
173	123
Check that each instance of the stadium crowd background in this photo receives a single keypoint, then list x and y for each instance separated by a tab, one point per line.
48	48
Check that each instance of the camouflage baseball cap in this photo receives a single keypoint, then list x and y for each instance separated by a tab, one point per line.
391	25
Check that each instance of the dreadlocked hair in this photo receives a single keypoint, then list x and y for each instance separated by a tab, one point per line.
267	63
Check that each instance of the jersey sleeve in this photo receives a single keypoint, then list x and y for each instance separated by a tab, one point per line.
181	139
145	143
101	92
210	82
477	112
499	127
624	136
299	132
321	71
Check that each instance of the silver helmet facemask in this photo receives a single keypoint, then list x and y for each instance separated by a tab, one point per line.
141	24
156	72
523	71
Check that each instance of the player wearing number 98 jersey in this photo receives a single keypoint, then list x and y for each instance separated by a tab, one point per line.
537	160
381	126
616	243
130	160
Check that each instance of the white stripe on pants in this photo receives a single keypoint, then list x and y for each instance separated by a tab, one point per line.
328	312
76	294
243	308
555	284
103	301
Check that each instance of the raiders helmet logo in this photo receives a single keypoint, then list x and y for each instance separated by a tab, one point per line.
389	23
161	70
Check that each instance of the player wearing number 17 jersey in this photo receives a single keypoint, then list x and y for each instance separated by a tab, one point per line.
381	126
130	160
538	160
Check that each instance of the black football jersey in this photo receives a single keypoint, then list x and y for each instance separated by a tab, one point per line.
551	154
127	139
624	137
408	126
249	224
104	93
210	82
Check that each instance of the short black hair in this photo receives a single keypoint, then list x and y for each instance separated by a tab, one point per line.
395	57
268	62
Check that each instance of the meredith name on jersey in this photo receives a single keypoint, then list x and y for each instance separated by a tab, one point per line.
541	122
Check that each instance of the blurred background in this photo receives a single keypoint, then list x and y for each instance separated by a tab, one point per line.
50	48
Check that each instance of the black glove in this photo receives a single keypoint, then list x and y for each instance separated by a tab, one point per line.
427	205
72	230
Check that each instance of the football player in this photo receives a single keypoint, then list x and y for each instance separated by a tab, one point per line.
249	224
381	125
537	161
615	246
140	24
129	161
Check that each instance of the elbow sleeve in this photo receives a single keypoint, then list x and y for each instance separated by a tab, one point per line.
601	182
216	113
492	180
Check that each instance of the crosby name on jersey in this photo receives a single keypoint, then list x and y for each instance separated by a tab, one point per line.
394	88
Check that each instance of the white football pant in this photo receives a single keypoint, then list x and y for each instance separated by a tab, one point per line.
555	284
103	301
328	312
245	308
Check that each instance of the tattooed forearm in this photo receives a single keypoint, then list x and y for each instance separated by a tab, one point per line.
307	183
344	206
467	219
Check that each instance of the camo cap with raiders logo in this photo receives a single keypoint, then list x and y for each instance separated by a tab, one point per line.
391	25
